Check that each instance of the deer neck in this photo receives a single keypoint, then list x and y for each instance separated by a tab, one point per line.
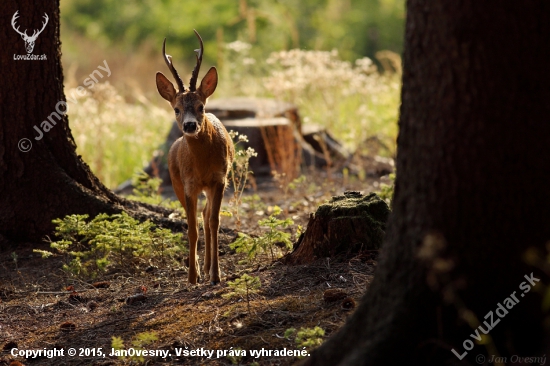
200	143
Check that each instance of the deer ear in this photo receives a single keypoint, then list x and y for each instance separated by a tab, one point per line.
166	88
209	82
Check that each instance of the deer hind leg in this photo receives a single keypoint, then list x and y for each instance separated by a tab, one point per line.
193	232
207	238
215	202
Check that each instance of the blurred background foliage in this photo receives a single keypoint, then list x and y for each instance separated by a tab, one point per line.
356	28
337	60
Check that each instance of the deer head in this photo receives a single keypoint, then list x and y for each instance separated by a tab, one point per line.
29	40
188	104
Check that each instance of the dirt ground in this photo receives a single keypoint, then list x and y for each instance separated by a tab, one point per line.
38	312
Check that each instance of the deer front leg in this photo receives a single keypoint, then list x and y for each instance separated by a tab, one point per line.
214	221
193	233
207	239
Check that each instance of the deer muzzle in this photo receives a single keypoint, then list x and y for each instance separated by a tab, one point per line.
190	124
190	127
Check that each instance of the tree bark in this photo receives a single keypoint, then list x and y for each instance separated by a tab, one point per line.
472	177
50	180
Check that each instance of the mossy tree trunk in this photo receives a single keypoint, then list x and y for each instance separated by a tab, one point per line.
50	180
472	179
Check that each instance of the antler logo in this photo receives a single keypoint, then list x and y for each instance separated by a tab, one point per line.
29	40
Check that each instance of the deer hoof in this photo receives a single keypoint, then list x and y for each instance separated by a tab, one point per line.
194	280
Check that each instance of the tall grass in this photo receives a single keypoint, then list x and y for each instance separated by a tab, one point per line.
353	101
115	137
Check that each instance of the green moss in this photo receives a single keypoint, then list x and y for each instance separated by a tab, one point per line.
355	204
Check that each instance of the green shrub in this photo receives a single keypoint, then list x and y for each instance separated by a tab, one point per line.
245	285
310	337
269	242
90	247
306	337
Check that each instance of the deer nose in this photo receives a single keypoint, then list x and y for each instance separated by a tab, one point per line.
190	127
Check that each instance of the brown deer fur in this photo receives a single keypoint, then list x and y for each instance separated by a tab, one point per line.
198	162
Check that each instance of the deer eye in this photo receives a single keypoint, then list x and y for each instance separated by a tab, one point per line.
177	110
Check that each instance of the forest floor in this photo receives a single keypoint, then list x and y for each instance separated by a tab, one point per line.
42	307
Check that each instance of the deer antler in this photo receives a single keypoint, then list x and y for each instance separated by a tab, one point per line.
13	19
195	74
43	26
168	60
24	34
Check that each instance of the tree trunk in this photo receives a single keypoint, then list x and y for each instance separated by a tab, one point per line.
40	178
472	180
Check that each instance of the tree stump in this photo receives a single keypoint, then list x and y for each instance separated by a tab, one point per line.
345	225
271	138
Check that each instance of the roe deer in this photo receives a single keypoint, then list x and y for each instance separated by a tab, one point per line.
199	160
